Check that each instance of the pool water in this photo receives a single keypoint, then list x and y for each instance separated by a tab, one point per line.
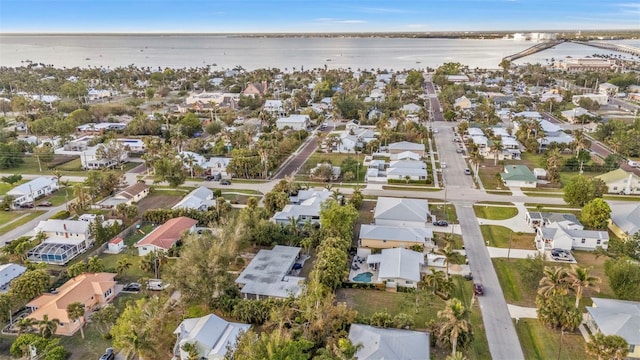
364	277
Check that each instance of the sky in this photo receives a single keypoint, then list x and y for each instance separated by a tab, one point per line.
300	16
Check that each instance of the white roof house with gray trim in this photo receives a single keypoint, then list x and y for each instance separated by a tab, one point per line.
625	218
29	191
269	274
398	266
199	199
616	317
378	343
210	334
567	236
8	272
401	212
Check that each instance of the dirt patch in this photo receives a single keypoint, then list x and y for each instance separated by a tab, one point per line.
586	259
157	201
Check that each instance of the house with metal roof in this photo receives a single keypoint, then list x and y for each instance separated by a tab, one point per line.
306	206
269	274
65	240
625	219
620	181
397	267
294	122
616	317
398	147
567	236
211	336
377	343
32	189
130	195
199	199
518	176
401	212
8	272
385	237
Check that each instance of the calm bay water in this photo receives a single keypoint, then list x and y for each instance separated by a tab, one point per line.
179	51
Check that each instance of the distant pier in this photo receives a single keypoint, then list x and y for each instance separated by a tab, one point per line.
549	44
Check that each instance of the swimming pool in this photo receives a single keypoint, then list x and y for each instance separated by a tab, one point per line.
364	277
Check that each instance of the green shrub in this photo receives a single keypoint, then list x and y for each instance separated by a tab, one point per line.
61	215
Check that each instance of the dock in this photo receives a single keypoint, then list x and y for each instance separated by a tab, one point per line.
532	50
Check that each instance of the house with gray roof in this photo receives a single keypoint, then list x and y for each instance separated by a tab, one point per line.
538	218
620	181
269	274
303	209
384	237
211	336
29	191
401	212
567	236
8	272
398	147
199	199
377	343
616	317
397	267
625	219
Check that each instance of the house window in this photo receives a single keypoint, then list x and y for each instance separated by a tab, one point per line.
598	242
632	348
615	188
409	282
583	241
107	293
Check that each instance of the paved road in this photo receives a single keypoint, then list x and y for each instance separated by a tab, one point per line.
23	229
501	334
293	165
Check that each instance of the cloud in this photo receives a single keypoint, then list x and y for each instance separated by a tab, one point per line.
339	21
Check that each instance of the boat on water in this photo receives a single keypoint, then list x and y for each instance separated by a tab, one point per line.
328	60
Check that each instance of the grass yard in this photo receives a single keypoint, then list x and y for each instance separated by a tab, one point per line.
489	176
498	236
414	187
334	159
538	342
588	259
565	177
545	207
6	216
495	212
543	194
444	212
499	192
243	191
515	292
237	199
59	197
5	187
133	274
456	240
137	235
21	221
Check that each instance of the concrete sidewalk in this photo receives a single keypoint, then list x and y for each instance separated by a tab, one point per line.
519	312
495	252
516	223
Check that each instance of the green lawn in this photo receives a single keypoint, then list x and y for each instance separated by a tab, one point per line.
23	220
414	187
515	292
133	274
498	236
488	176
6	216
495	212
59	197
456	240
499	192
444	212
243	191
538	342
541	194
137	235
334	159
566	176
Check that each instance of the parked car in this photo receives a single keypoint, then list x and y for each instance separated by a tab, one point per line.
478	290
132	287
459	150
467	171
45	203
560	254
28	205
225	182
156	285
443	164
440	223
108	354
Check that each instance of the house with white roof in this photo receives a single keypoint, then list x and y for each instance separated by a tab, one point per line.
91	160
132	145
616	317
528	115
397	267
385	237
201	198
65	240
625	219
8	272
130	195
269	274
308	210
567	235
608	89
573	114
398	147
377	343
33	189
294	122
601	99
401	212
407	169
273	107
411	108
210	335
462	103
100	128
405	155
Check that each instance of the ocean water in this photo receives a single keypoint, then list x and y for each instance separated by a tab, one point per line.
178	51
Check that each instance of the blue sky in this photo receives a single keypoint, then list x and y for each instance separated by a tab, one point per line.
243	16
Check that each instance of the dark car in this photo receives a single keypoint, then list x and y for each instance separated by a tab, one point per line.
132	287
28	205
297	266
225	182
108	354
478	290
440	223
45	203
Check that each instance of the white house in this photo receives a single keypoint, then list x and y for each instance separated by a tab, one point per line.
573	114
132	145
567	235
616	317
411	108
377	343
397	266
403	169
273	107
608	89
65	240
91	160
620	181
268	275
518	176
294	122
625	219
199	199
601	99
399	147
115	245
384	237
405	155
401	212
33	189
8	272
307	210
211	336
130	195
462	103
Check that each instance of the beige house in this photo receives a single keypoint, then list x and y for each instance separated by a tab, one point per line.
255	89
386	237
462	103
400	147
621	182
94	290
129	196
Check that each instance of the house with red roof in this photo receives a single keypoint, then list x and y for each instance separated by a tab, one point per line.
116	245
165	236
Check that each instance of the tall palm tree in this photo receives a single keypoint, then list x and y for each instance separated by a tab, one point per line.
457	356
449	255
496	148
554	281
580	279
454	323
76	311
434	280
25	324
122	266
47	327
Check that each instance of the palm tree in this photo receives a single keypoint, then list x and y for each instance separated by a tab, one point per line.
434	280
554	281
457	356
122	266
580	279
25	324
449	255
496	148
454	324
607	346
76	311
48	327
